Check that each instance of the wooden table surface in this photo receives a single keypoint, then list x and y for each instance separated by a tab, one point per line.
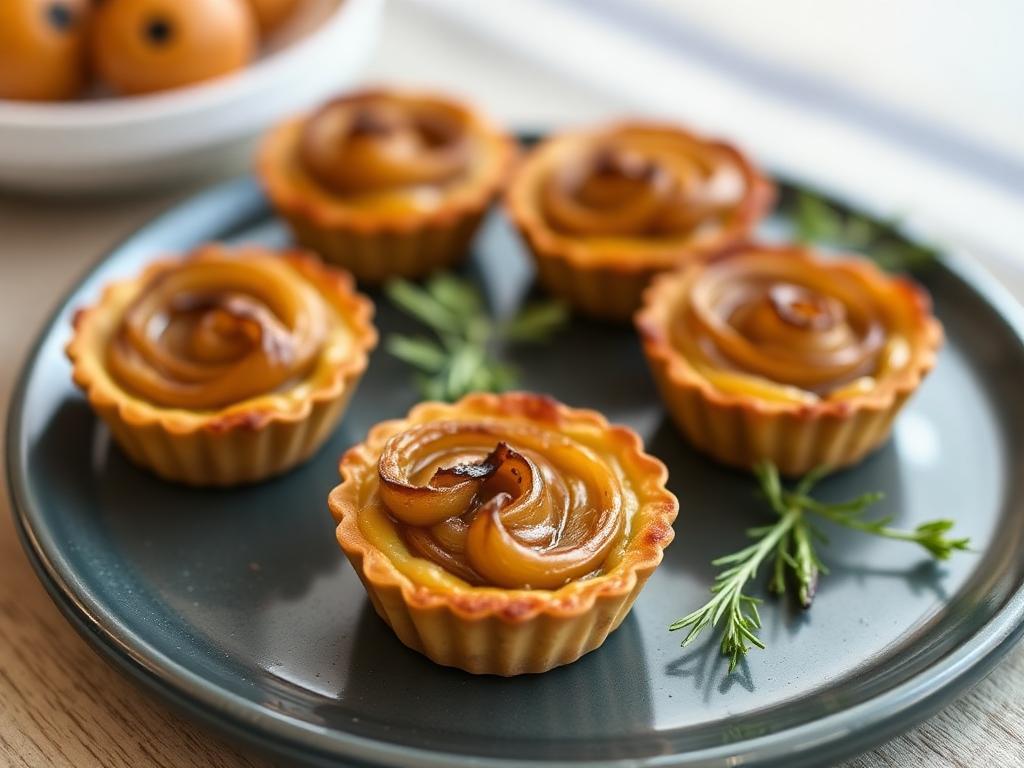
61	705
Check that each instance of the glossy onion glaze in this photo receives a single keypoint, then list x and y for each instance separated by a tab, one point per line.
373	143
215	331
782	328
642	184
507	505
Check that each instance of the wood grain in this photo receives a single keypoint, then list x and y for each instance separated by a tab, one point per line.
62	706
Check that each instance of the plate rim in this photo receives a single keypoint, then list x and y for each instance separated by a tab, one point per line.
836	735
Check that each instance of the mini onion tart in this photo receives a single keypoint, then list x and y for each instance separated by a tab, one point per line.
227	366
604	210
782	354
504	534
386	183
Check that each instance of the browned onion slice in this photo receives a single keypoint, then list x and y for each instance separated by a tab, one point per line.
626	187
770	318
530	517
366	145
216	331
609	192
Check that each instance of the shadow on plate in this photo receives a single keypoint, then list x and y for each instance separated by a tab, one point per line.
276	536
717	504
403	689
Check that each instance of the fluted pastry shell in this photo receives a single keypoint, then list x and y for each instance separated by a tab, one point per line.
605	277
491	630
376	243
243	442
741	429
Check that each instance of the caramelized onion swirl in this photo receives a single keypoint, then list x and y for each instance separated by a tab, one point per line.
787	328
372	143
216	330
513	506
642	184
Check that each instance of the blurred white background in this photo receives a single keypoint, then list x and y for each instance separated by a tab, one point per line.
913	109
959	64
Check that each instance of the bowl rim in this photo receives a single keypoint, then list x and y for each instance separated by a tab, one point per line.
231	87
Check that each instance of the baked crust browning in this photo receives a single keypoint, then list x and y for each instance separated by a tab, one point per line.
486	628
264	432
604	210
872	333
386	182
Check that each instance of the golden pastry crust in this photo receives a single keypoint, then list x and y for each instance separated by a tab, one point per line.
394	218
489	629
663	197
258	435
870	339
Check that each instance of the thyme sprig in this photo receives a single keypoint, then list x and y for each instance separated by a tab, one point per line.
817	221
788	546
464	355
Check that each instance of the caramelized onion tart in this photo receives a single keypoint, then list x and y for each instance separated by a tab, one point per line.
604	210
227	366
503	534
778	353
386	183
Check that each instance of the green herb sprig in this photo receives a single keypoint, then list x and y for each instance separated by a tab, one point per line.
818	222
787	545
463	357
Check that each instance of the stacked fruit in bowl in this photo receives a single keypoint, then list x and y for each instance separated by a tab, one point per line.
122	94
60	49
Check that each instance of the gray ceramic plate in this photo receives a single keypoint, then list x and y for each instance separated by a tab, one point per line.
239	607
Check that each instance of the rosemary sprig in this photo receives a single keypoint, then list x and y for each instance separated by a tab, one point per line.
788	546
463	356
819	222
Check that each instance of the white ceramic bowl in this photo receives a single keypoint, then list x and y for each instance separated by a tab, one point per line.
110	144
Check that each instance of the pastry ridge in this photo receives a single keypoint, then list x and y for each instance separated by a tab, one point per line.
376	245
187	446
798	437
611	286
549	627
